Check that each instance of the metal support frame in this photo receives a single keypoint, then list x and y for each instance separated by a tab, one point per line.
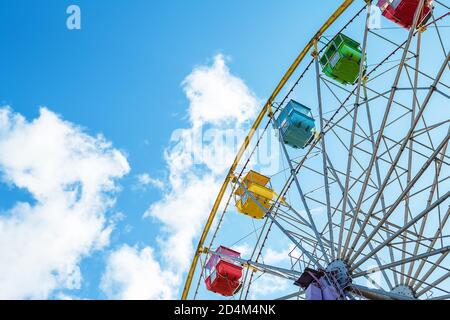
391	169
350	249
383	124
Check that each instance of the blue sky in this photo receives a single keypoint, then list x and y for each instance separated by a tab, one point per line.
122	76
125	67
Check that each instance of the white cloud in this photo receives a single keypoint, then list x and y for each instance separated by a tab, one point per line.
182	215
218	101
135	274
277	257
244	249
218	97
71	177
145	180
221	101
64	296
268	286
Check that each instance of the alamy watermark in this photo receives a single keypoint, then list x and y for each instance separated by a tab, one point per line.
73	21
374	21
216	148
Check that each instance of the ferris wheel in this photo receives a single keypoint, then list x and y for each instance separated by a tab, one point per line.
359	203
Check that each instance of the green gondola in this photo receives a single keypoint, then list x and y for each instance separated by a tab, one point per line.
342	59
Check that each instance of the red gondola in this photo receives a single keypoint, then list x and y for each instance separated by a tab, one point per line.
224	274
402	11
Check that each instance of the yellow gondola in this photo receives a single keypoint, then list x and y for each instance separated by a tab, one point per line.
257	185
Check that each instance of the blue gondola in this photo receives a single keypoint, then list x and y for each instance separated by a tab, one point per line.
296	124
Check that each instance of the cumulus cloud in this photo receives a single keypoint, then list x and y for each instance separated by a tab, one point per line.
244	249
218	101
220	104
218	97
135	274
277	257
71	177
268	285
145	180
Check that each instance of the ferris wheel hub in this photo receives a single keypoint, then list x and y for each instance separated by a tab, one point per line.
341	272
404	290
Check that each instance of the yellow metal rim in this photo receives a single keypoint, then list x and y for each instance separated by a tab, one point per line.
341	9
